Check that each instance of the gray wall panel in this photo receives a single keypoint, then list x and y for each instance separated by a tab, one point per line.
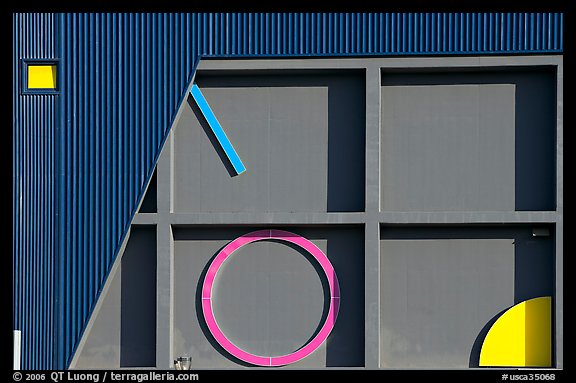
301	138
535	123
102	346
534	257
273	146
437	295
448	147
268	332
298	140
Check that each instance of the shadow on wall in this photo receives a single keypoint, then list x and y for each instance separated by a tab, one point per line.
345	248
138	299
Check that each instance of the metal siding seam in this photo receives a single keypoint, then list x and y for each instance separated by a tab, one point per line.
538	36
22	196
96	83
16	190
15	181
285	44
548	32
277	34
439	39
556	23
444	35
434	32
365	33
461	32
561	30
391	32
499	40
450	32
514	32
532	31
521	34
404	32
379	33
398	33
508	31
340	48
60	240
251	26
43	234
244	39
131	105
33	129
271	33
491	32
87	168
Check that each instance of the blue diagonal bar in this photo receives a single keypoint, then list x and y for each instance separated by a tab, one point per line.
217	129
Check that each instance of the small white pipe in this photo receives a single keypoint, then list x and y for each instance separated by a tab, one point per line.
17	348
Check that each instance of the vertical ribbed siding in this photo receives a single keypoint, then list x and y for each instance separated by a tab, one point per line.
33	189
362	34
123	78
125	75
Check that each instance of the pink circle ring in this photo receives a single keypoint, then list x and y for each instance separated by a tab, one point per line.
309	347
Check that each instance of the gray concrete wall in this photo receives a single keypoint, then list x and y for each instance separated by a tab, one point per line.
269	298
322	139
101	348
279	126
535	124
443	287
448	147
437	295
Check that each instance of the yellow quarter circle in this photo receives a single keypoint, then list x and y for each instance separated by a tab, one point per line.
521	337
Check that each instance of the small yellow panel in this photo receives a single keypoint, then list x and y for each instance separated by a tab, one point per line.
41	76
521	337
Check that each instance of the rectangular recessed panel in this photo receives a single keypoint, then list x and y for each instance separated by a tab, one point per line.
138	294
283	147
236	296
300	140
436	295
448	147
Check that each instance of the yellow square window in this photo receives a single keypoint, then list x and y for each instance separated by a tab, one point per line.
41	76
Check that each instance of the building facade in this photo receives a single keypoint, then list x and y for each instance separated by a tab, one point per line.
296	190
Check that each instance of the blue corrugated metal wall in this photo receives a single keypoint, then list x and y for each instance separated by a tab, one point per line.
82	158
34	178
124	77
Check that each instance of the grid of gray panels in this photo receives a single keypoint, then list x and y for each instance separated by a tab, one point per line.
369	153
